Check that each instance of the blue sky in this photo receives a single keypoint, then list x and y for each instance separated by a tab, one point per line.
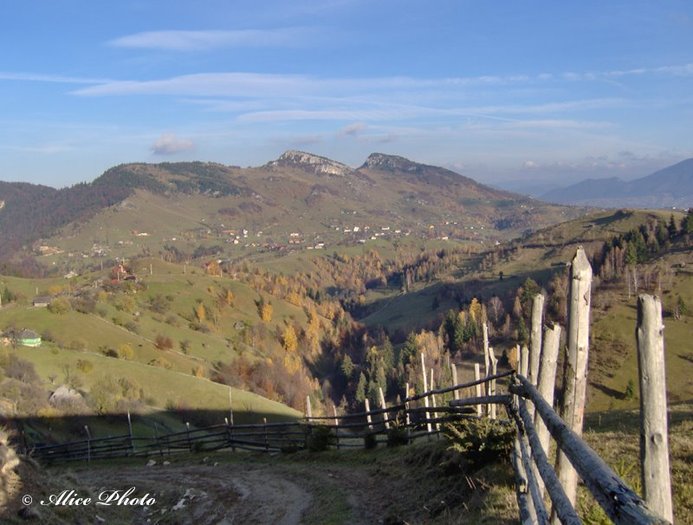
502	91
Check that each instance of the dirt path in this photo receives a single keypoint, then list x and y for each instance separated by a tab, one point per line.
204	494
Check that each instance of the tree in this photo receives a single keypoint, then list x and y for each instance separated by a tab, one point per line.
289	339
361	389
200	312
347	367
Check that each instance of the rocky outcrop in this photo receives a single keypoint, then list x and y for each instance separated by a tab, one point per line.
309	162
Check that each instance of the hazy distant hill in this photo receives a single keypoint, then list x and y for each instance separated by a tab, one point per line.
671	186
317	199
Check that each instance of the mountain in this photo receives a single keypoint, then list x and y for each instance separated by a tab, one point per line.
299	199
669	187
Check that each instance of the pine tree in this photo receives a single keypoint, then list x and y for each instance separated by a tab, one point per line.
361	389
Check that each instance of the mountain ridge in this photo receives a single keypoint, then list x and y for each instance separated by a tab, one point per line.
671	186
297	192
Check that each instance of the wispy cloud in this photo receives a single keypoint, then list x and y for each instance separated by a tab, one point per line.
170	144
58	79
213	39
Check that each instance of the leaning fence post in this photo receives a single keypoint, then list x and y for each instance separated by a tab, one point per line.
654	435
384	407
132	442
575	381
86	428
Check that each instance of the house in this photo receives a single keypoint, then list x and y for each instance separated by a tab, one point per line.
29	338
41	301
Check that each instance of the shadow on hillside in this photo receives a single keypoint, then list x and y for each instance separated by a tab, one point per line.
30	432
628	421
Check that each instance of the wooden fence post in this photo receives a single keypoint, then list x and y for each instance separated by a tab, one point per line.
230	407
654	435
86	428
425	387
524	360
435	403
406	404
384	407
336	426
132	442
264	423
492	385
487	360
535	338
477	377
187	428
368	414
575	381
547	381
453	369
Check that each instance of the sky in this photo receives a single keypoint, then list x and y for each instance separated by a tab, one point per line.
515	92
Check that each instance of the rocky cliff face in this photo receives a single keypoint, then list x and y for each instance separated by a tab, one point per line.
381	161
309	162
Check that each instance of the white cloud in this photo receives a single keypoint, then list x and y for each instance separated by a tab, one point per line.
211	39
352	130
170	144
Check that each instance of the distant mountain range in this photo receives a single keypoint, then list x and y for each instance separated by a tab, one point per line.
301	193
666	188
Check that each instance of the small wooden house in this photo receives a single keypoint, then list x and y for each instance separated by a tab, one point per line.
29	338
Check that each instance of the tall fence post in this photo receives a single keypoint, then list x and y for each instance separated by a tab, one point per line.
487	359
86	429
547	381
187	429
477	377
492	385
383	405
535	338
453	369
425	387
336	426
435	403
230	407
654	435
132	442
575	381
368	413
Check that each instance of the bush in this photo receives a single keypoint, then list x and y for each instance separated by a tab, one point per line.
85	366
163	342
481	441
125	351
319	439
21	370
397	436
59	305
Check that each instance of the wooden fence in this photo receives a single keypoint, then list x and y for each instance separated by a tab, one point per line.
528	401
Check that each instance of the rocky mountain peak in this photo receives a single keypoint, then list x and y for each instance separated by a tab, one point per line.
310	162
381	161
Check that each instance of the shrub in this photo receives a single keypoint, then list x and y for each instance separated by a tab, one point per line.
21	370
163	342
85	366
319	439
397	436
161	362
481	441
59	305
125	351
